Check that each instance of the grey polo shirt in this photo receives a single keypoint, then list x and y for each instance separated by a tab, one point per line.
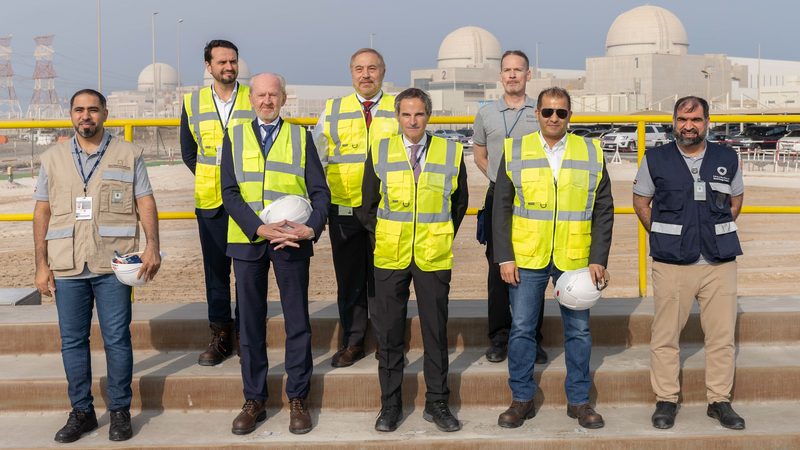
497	121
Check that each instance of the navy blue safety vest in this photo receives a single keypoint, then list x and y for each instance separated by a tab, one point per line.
683	228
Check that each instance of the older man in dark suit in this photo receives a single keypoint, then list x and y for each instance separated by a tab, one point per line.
261	162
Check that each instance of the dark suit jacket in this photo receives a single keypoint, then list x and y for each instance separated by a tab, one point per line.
248	220
602	218
371	196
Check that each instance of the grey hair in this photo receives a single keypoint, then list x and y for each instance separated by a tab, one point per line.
281	80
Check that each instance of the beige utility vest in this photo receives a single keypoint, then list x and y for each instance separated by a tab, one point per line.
114	223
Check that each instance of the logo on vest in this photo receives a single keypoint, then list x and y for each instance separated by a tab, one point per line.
722	170
120	164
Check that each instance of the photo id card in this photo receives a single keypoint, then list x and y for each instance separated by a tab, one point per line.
83	208
219	155
699	191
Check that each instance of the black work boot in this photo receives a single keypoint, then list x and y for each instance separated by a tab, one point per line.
221	345
79	422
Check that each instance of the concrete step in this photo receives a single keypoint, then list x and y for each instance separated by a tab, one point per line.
769	426
174	381
615	322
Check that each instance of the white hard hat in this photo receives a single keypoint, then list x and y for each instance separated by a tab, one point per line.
576	290
289	207
126	273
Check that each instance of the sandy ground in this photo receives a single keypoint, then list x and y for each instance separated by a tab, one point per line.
770	265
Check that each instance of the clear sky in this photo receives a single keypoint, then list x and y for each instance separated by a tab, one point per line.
310	41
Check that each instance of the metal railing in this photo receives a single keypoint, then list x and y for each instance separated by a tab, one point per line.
640	120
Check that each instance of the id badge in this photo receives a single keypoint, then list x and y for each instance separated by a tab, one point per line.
345	210
699	191
219	155
83	208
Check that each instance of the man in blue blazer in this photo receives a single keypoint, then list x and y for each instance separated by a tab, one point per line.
262	161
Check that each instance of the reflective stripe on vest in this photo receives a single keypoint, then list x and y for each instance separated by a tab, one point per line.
552	220
348	143
415	219
206	127
262	183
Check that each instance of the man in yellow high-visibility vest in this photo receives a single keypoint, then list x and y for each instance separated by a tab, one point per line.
207	113
343	135
415	196
553	212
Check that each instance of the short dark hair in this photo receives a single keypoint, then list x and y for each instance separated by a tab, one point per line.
554	91
99	96
211	45
519	53
689	103
414	93
368	50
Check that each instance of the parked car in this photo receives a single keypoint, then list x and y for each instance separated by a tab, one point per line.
758	138
718	138
625	137
580	131
449	135
597	134
467	132
790	143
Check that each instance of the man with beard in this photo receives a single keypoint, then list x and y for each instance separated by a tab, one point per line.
688	194
512	116
90	194
207	114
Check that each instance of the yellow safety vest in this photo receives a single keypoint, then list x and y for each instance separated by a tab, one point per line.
348	143
549	220
208	132
415	219
260	184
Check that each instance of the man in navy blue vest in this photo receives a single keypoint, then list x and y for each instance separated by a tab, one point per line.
688	194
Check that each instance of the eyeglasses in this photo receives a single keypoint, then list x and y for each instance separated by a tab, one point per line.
547	112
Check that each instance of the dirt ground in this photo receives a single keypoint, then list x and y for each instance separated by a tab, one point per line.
770	265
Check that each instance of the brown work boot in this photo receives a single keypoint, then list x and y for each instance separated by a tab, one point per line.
221	345
516	414
347	356
299	418
586	415
253	411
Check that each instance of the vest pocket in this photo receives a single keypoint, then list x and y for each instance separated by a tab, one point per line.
387	239
60	248
119	237
205	185
339	180
580	240
438	244
116	197
399	188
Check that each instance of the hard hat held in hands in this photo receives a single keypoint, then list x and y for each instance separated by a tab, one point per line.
576	290
293	208
126	268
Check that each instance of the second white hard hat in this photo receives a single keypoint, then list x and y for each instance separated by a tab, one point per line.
289	207
576	290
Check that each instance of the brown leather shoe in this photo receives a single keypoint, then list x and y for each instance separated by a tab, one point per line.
586	415
347	356
299	418
253	411
221	345
516	414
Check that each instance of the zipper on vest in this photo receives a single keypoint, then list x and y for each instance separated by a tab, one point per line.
555	215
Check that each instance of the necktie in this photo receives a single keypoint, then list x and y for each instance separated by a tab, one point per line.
267	142
412	158
368	112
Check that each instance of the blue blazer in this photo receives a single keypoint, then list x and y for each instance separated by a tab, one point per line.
247	219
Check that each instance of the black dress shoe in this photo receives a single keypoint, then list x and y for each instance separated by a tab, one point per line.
541	355
497	352
79	422
389	418
727	417
664	415
439	413
120	426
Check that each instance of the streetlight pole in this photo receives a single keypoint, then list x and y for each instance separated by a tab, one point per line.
155	81
99	53
180	21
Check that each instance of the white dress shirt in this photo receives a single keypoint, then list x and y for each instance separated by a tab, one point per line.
555	154
224	107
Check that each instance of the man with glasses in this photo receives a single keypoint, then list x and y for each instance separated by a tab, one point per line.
553	212
512	115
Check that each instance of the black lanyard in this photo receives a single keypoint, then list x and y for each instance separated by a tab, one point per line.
519	114
235	95
100	153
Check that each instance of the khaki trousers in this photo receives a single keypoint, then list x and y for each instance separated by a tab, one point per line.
675	288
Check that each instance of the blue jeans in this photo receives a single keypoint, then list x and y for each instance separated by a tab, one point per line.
74	301
527	299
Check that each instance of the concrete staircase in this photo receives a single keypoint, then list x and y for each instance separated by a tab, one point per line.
178	404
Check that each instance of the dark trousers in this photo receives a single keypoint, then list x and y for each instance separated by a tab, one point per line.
390	310
213	227
251	289
352	262
499	308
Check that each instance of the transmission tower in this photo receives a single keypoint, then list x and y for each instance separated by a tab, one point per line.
9	104
44	103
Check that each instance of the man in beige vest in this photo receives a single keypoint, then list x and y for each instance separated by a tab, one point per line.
91	192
